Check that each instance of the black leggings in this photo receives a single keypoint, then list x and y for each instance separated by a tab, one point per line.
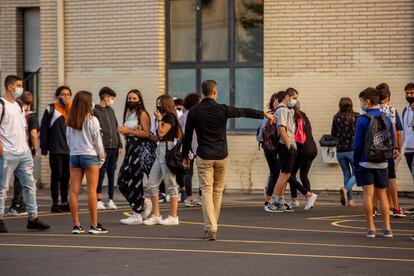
59	165
303	162
274	167
185	180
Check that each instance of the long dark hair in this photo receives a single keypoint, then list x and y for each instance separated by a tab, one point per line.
141	107
346	107
297	113
168	107
81	107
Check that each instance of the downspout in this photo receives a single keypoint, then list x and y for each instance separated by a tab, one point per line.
61	41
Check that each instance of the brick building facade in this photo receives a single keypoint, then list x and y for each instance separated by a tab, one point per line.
325	49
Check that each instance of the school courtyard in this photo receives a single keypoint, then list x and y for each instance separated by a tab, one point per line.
327	240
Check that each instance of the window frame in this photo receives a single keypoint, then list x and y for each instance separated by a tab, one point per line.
198	64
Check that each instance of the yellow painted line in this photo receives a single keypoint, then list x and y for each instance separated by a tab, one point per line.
376	259
107	237
339	224
335	217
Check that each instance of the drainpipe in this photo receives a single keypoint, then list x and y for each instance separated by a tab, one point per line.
61	41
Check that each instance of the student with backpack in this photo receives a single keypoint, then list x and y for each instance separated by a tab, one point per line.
15	156
306	153
343	128
385	97
17	205
87	155
287	150
373	147
265	135
53	143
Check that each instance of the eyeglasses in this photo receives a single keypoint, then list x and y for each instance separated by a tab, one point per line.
65	95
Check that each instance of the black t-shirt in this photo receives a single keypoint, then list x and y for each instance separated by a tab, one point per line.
32	123
173	132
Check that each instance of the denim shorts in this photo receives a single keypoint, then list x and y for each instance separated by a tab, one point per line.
84	161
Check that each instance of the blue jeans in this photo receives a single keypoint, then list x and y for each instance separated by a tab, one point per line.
20	166
109	168
84	161
346	161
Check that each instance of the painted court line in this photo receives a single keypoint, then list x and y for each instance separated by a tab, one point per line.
340	224
107	237
149	249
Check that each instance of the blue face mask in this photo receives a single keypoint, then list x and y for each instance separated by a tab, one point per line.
17	92
61	101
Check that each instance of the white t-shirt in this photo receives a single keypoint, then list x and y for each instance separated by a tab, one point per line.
13	129
285	118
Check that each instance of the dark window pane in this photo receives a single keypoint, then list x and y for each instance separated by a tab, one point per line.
181	82
249	30
221	76
214	30
183	30
249	93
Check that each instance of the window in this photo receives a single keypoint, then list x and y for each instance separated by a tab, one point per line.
220	40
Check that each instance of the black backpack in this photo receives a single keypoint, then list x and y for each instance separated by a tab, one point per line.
378	142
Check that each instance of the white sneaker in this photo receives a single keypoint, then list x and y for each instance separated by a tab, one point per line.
293	203
134	219
170	221
111	205
311	201
147	208
100	205
153	220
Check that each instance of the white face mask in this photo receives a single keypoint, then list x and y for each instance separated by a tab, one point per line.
292	102
363	107
17	92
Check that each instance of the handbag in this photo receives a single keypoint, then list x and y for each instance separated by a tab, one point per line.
174	156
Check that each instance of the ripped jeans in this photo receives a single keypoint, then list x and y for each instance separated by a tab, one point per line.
20	166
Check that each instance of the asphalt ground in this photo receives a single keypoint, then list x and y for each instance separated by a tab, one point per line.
327	240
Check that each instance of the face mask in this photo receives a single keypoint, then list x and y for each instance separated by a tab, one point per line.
178	108
132	105
409	99
17	92
292	102
363	107
61	101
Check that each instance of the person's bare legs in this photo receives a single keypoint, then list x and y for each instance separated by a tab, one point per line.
368	205
156	205
385	208
92	176
76	176
173	206
281	184
393	193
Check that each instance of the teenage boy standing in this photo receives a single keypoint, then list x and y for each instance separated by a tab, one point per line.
373	147
112	143
286	150
15	155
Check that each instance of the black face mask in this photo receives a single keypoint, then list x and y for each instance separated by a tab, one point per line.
409	99
132	105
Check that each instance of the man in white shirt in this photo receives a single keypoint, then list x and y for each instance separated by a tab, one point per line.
15	155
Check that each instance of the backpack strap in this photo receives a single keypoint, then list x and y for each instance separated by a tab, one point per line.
2	110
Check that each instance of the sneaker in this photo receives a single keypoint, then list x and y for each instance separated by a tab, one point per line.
343	193
392	212
412	217
3	228
398	213
311	201
147	208
77	230
100	205
153	220
387	233
210	236
375	213
13	211
275	208
288	208
55	208
170	221
36	224
134	219
189	203
111	205
370	233
65	207
294	203
162	198
199	201
98	229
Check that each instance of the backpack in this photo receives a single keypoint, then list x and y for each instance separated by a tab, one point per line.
378	142
174	157
270	135
3	105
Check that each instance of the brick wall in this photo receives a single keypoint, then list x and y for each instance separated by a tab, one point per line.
329	49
